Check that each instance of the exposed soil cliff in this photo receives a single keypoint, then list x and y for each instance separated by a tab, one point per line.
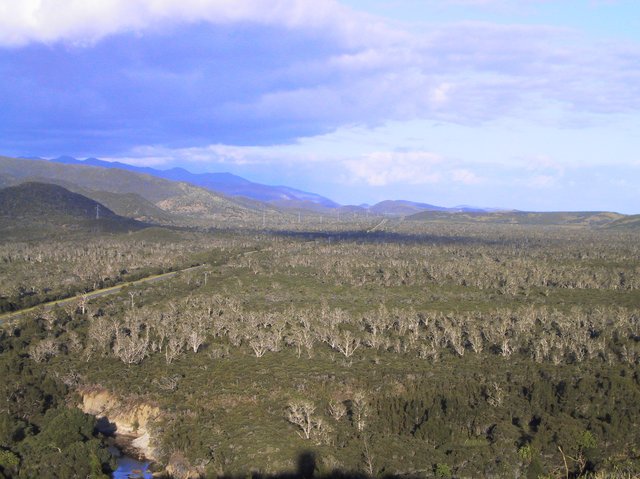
128	420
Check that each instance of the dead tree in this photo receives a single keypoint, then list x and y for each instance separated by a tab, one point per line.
301	413
131	340
344	341
359	410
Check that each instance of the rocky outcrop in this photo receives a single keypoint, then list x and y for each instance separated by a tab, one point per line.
129	421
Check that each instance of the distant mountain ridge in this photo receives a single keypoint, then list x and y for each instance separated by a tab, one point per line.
226	183
283	197
403	207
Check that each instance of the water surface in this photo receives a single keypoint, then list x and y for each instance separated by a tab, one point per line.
130	468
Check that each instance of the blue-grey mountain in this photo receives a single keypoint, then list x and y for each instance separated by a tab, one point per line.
225	183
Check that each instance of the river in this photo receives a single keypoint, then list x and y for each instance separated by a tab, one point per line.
130	468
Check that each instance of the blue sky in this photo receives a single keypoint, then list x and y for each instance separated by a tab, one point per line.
530	104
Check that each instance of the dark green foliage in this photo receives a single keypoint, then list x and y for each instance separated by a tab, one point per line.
64	426
27	391
38	436
64	447
80	459
12	430
9	462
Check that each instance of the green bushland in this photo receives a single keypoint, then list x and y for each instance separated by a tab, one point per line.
420	350
40	435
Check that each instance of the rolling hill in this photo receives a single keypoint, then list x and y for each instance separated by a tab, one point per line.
402	207
33	200
134	206
405	208
122	190
148	198
282	197
33	209
630	222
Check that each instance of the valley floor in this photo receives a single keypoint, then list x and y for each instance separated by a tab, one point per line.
401	349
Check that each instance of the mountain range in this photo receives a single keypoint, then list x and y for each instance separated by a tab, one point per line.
149	196
280	196
225	183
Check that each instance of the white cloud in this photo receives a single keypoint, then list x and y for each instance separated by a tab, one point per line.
541	181
384	168
217	154
465	176
538	163
466	73
440	94
86	21
377	168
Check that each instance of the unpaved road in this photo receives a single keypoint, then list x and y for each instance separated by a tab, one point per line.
106	291
379	225
96	294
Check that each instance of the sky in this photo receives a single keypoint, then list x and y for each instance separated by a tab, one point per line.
529	104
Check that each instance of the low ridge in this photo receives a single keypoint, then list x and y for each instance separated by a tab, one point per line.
34	200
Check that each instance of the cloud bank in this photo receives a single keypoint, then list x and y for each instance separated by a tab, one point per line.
120	73
83	22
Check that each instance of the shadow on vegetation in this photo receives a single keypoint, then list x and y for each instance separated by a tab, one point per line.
361	236
104	426
306	468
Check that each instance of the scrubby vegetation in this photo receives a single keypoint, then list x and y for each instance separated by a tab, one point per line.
411	349
37	272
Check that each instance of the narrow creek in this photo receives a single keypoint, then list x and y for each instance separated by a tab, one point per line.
129	467
123	425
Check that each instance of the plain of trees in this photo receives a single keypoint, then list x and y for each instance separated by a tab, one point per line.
35	272
429	350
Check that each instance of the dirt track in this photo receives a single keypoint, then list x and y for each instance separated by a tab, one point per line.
96	294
